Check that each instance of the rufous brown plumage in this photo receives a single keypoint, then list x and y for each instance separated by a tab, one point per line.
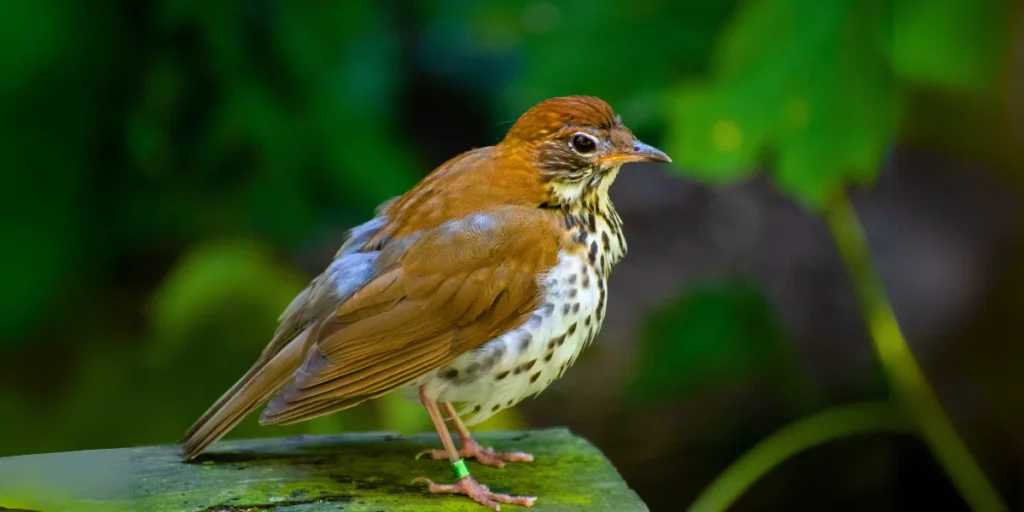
475	289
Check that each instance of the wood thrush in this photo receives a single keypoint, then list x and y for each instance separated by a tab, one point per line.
476	289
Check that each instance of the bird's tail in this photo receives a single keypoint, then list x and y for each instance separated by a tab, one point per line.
252	390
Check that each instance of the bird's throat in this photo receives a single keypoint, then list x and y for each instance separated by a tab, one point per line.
588	191
589	211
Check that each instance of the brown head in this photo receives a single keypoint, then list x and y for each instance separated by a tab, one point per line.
563	152
578	144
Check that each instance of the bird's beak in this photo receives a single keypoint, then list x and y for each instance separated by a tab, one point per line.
641	153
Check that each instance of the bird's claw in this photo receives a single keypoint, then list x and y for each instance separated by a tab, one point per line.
477	492
489	457
485	456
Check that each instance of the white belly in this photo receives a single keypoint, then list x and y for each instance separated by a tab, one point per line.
524	361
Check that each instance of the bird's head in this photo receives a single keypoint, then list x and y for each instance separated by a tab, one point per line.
577	144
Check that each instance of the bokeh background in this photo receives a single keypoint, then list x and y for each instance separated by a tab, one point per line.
173	172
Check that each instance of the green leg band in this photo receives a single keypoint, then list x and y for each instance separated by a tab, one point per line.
459	469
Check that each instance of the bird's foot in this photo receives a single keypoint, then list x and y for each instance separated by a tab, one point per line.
483	455
477	492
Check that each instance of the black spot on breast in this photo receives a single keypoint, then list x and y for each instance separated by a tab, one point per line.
476	409
450	374
572	330
572	293
576	307
592	222
534	377
509	403
547	357
586	280
602	261
501	375
586	321
525	367
495	408
565	308
572	279
556	341
593	253
605	241
547	308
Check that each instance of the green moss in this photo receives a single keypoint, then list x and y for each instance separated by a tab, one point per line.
351	472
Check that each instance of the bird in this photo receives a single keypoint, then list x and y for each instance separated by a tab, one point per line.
475	289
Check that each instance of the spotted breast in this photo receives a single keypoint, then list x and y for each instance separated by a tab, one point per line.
525	361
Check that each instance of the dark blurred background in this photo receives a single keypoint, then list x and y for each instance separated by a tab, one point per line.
173	172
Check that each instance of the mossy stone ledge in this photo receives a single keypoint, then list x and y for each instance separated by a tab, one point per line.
349	472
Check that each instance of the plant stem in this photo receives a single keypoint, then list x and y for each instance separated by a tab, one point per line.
830	424
908	381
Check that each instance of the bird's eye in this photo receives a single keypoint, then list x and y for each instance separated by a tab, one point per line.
583	143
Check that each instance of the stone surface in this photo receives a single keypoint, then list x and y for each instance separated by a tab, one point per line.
348	472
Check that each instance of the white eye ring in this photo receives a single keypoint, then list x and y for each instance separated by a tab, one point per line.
583	143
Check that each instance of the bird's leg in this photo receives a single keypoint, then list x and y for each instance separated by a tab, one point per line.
465	484
471	448
484	455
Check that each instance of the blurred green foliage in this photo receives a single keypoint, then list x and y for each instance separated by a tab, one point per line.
820	107
625	53
825	101
712	335
211	292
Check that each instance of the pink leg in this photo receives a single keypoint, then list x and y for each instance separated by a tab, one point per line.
465	485
471	448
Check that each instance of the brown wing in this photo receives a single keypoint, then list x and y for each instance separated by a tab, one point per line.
456	286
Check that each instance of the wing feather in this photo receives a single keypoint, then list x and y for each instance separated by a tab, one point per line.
456	287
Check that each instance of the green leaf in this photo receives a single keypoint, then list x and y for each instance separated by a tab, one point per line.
821	100
712	335
718	134
840	116
952	44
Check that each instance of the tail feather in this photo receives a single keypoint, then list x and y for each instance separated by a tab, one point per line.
254	388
